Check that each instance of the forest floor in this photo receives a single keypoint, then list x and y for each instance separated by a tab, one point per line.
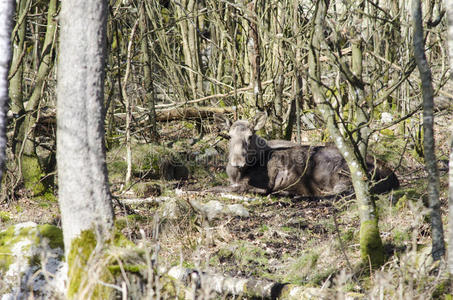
289	240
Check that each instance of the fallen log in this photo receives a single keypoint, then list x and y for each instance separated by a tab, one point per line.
252	288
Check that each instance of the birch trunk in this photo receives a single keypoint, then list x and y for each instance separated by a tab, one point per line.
84	196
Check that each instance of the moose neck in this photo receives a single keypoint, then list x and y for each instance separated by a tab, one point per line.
258	144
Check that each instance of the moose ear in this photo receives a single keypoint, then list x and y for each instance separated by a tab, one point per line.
222	122
260	120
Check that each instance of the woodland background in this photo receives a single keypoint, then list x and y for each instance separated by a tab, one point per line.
171	66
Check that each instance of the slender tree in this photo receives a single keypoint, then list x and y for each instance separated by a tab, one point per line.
6	15
437	232
370	241
449	6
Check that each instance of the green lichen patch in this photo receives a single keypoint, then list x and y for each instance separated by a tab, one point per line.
5	216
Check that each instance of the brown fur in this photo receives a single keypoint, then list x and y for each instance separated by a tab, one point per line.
256	165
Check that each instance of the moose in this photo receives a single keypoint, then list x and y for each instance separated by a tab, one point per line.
283	167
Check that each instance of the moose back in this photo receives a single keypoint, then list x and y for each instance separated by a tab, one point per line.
260	166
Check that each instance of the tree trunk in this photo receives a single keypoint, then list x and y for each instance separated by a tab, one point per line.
84	195
188	19
279	67
31	167
371	247
6	17
17	68
437	232
128	104
449	7
253	47
147	74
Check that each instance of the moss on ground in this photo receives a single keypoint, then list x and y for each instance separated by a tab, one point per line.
7	239
53	234
89	264
26	237
5	216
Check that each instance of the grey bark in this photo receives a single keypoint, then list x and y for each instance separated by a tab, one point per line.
449	7
84	196
147	74
6	16
437	233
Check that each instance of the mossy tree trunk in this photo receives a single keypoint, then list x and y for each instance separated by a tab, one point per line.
437	232
6	16
33	172
371	247
84	196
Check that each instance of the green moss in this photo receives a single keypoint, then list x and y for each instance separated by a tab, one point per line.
120	240
5	216
48	197
12	235
80	252
35	260
53	234
371	248
400	237
6	241
264	228
348	236
120	224
32	174
106	264
116	269
224	253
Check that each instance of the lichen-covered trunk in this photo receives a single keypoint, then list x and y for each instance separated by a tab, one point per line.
84	196
437	233
371	247
6	16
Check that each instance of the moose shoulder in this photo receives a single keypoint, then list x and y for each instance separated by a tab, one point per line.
260	166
